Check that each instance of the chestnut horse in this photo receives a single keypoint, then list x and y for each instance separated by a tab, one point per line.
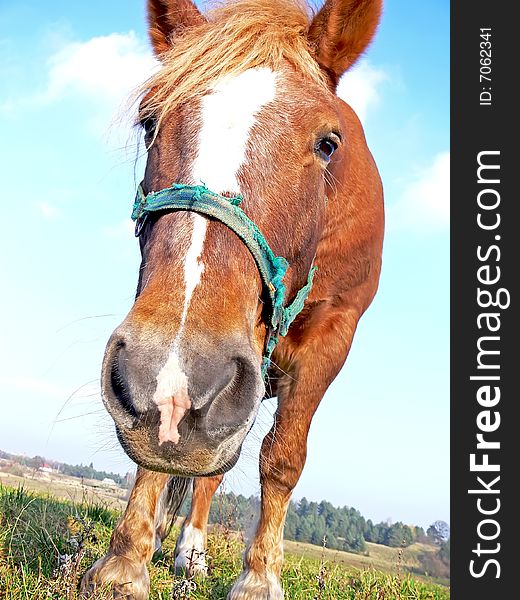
242	111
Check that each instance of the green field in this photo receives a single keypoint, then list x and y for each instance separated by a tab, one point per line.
36	530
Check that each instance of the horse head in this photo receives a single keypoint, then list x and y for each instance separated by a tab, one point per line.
244	109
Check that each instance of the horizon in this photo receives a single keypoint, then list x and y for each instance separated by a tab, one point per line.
389	520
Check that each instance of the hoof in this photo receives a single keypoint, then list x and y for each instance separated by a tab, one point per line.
191	565
255	586
116	577
190	554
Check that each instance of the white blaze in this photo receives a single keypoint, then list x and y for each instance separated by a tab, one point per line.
193	266
228	113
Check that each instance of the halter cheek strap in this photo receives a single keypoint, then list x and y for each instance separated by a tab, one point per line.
272	268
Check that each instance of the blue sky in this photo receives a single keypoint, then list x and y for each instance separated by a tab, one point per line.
69	261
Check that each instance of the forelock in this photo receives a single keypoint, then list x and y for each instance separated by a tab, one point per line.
237	35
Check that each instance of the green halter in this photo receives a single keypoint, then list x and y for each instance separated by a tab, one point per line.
198	198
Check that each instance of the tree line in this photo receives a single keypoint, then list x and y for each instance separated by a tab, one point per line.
321	523
85	471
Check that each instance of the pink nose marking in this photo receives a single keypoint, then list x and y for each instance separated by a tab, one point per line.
172	410
171	398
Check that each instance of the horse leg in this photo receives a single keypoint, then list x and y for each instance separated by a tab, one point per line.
190	550
168	507
132	543
283	453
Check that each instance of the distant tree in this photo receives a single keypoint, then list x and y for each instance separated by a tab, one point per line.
407	536
304	531
398	535
331	541
444	552
36	462
359	544
313	508
325	508
419	535
368	534
318	533
303	507
378	534
291	523
438	532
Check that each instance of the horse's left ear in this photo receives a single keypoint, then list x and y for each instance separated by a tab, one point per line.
168	17
341	31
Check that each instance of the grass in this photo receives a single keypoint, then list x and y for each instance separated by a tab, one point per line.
47	544
67	488
378	557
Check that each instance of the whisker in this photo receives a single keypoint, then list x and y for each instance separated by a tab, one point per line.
282	371
93	412
84	319
72	396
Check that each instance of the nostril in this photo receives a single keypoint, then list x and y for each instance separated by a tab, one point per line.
119	385
231	407
198	413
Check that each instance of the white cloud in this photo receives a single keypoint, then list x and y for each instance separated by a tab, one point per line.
105	68
104	72
360	87
425	202
49	211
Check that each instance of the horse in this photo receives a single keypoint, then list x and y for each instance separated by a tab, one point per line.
260	222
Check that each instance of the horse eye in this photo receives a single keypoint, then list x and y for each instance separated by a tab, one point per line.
148	125
326	148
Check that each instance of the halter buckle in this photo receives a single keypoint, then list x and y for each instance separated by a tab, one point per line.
139	224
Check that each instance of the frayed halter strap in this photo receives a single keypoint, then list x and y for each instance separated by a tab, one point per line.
199	199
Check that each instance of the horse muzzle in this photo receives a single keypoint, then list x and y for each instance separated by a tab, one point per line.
183	411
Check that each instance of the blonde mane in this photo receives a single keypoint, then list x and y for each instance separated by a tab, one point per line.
237	35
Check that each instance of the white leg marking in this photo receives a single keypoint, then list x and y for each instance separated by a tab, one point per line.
228	113
190	553
251	585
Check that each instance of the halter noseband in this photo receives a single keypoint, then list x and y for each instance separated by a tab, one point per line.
199	199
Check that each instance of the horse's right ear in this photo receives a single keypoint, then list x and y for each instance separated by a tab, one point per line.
167	18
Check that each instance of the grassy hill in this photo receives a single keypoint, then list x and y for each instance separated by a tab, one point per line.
380	558
46	544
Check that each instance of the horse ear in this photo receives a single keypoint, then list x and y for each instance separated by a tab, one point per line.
168	17
341	31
